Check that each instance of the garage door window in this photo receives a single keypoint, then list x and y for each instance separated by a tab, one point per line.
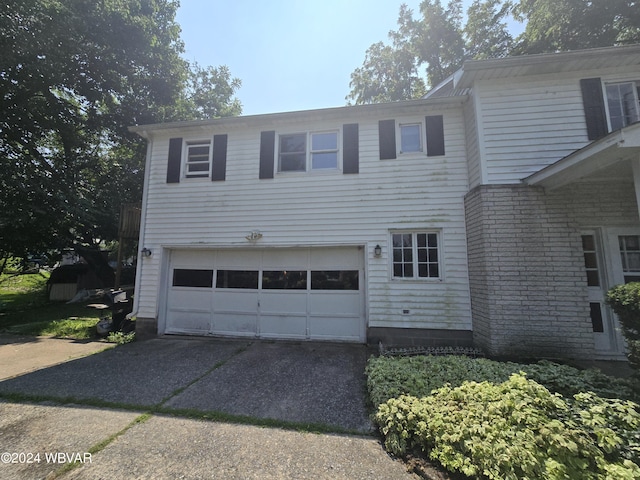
183	277
334	280
247	279
284	280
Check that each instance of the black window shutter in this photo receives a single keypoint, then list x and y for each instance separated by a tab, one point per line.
219	167
350	148
594	107
387	139
175	159
435	135
267	147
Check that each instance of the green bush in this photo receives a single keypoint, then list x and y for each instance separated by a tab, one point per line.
515	430
625	301
389	377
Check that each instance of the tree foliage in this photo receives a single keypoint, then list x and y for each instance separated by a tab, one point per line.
438	42
74	74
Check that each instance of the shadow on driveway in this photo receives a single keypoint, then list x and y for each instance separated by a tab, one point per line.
313	383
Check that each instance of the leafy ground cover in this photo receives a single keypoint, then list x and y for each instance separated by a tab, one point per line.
26	310
505	420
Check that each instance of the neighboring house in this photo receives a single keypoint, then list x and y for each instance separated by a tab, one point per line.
495	212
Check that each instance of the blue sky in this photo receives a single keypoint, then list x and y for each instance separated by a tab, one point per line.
289	54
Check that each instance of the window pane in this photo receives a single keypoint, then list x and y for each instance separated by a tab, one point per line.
324	160
293	162
202	151
592	278
334	280
596	317
427	246
588	243
198	167
293	143
284	280
324	141
192	278
237	279
410	138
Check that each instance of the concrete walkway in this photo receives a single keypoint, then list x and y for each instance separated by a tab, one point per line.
20	355
124	410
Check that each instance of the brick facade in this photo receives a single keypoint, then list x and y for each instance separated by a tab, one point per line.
527	279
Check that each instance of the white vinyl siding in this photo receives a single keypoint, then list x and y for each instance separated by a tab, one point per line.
526	126
414	192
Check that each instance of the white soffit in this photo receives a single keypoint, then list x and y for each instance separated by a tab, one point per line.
620	146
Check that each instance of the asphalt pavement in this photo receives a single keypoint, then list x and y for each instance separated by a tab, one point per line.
193	408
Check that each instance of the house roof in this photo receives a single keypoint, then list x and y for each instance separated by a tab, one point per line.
272	119
613	152
538	64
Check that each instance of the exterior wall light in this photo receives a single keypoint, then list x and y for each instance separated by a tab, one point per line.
146	252
377	250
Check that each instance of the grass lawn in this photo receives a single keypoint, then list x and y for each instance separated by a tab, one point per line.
26	310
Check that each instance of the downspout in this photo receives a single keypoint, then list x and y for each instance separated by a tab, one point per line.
143	224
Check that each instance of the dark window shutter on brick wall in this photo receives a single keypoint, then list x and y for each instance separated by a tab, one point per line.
350	148
267	148
435	135
594	111
174	161
219	167
387	139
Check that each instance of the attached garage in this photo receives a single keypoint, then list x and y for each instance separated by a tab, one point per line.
289	293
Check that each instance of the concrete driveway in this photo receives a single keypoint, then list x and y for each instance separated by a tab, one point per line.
145	410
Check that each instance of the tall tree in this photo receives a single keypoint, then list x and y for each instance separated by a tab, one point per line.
390	72
556	25
486	32
441	43
74	74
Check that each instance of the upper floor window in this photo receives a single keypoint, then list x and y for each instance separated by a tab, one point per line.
410	137
301	152
198	159
623	104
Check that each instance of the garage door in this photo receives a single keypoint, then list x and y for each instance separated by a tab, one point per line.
315	294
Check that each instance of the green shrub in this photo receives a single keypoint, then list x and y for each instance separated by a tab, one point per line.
514	430
625	301
121	338
390	377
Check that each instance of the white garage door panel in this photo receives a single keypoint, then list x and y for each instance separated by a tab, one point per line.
283	326
277	309
335	303
321	328
282	301
240	324
188	322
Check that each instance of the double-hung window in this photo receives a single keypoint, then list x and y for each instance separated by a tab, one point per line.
301	152
623	102
198	159
410	137
415	255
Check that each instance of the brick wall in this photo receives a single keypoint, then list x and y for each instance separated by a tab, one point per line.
527	279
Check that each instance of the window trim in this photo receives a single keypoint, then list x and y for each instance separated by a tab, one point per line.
185	159
309	152
415	259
